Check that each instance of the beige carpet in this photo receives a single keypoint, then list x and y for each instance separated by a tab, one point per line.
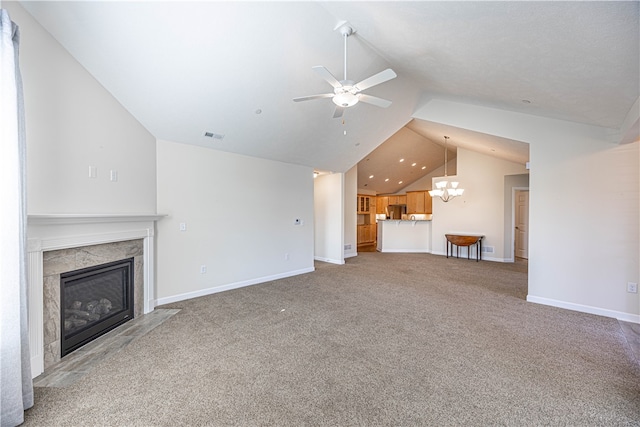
387	339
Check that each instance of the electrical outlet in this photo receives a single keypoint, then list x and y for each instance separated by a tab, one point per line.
203	269
183	226
286	256
632	287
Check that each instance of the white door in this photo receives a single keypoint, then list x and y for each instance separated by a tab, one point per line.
522	224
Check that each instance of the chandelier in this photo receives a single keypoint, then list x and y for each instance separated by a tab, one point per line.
444	189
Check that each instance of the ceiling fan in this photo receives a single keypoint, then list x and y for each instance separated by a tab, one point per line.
346	93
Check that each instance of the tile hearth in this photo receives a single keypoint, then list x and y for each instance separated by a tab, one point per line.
82	361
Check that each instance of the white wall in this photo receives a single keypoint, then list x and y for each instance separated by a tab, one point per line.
584	226
480	210
584	206
239	214
330	211
72	123
426	182
350	212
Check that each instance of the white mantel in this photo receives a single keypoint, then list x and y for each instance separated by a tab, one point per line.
48	232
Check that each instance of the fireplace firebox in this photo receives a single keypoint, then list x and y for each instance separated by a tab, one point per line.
93	301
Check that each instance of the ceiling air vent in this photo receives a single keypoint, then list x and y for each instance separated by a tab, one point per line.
213	135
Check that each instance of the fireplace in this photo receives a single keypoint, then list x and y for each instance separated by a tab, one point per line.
59	243
93	301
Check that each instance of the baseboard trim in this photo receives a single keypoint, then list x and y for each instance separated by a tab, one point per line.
626	317
351	255
406	251
330	260
484	257
230	286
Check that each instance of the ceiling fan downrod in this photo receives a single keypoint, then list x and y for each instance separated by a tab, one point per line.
346	31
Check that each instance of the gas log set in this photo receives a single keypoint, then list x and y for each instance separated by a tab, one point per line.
79	313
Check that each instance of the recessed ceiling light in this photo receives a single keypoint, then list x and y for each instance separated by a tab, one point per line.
258	111
370	176
526	101
386	180
399	182
424	167
413	164
401	160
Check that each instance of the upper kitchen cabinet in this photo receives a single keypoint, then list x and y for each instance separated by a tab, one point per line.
382	202
398	200
418	202
364	204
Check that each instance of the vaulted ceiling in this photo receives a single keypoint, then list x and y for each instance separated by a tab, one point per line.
233	68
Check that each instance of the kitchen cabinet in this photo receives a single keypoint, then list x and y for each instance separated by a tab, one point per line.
364	204
415	202
382	202
366	233
398	200
418	202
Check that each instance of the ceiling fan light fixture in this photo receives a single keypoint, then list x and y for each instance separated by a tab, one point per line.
345	99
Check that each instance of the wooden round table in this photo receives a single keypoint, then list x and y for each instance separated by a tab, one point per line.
467	240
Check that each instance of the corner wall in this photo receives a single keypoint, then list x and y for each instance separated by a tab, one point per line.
350	212
329	207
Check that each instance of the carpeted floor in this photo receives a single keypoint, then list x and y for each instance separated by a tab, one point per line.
387	339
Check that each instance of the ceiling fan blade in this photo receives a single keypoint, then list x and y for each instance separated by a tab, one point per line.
376	79
325	74
338	112
373	100
310	97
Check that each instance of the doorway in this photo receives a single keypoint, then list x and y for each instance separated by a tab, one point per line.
521	224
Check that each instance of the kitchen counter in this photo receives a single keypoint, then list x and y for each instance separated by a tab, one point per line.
399	235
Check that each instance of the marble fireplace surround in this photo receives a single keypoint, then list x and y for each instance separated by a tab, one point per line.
78	241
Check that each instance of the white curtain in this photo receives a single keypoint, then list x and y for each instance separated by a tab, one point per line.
16	387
